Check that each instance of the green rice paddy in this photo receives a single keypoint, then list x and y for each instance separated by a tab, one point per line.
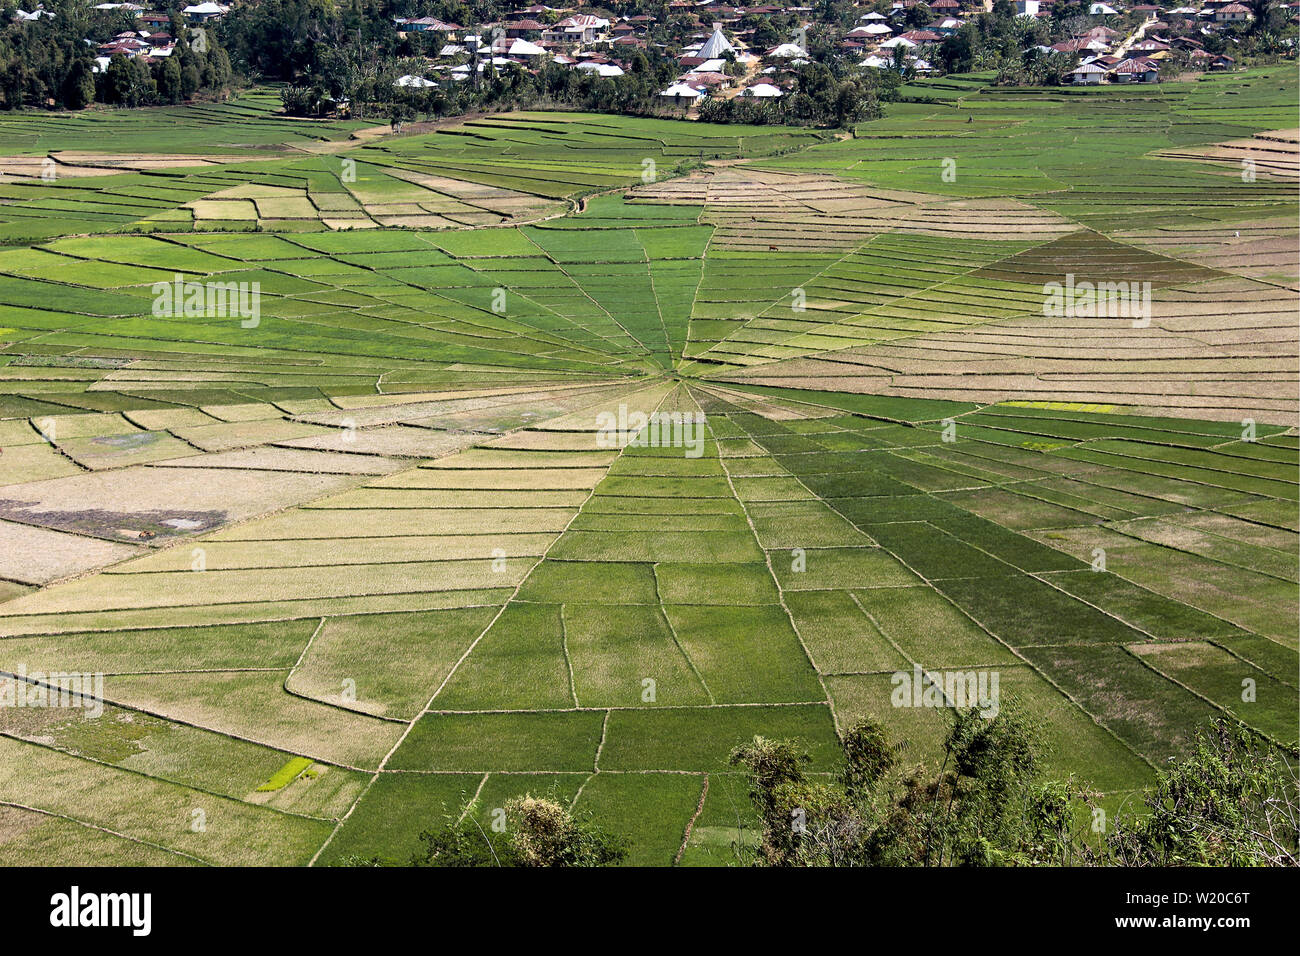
397	549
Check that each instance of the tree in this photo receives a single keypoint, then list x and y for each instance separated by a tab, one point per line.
1266	16
985	806
191	74
538	833
118	87
79	87
169	81
1232	801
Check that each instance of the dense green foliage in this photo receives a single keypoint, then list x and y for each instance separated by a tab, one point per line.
1231	801
820	96
47	63
987	805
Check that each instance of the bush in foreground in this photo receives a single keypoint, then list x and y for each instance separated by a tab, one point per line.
1231	801
538	833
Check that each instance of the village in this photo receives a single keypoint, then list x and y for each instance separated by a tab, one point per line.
726	54
887	40
725	51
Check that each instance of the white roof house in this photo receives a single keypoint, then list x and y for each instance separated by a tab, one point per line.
524	48
898	41
416	82
682	91
763	90
787	50
206	9
1100	9
600	69
584	20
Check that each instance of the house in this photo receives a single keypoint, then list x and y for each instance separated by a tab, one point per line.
522	47
528	29
600	69
1080	46
1149	46
763	91
205	12
1138	69
681	93
920	37
705	81
424	25
580	29
1223	63
1232	13
1025	8
1088	74
1102	10
786	51
413	82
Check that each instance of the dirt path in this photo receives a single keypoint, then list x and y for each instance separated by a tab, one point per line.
1121	51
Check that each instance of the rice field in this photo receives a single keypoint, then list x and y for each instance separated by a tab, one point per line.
401	543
